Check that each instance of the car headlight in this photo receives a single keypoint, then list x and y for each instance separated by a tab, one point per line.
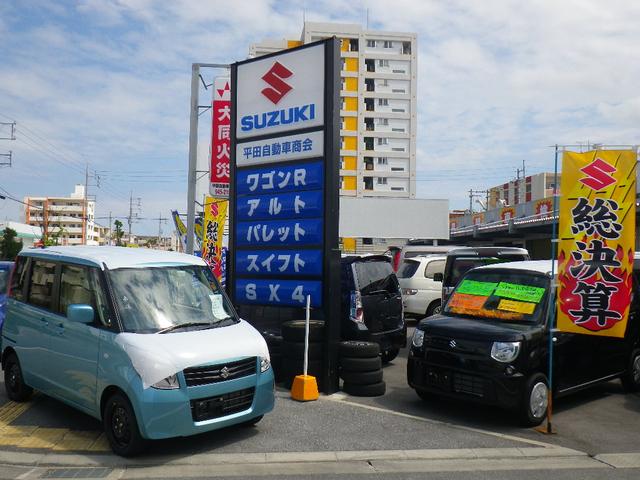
409	291
169	383
505	352
418	338
265	365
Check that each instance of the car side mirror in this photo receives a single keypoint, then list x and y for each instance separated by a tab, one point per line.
438	277
80	313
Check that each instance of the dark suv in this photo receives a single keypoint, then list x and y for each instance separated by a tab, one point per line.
488	348
371	303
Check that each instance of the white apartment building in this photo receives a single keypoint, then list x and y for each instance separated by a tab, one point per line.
71	219
522	190
378	111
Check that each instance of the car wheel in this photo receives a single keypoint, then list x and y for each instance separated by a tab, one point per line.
371	390
533	406
358	349
631	378
434	308
121	426
17	390
389	354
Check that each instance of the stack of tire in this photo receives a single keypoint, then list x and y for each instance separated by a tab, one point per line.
361	369
274	343
293	350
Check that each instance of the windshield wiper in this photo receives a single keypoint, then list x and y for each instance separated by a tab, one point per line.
185	325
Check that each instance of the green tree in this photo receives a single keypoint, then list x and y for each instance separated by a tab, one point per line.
9	246
119	232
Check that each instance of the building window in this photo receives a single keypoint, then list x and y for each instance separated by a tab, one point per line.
383	63
383	141
397	189
388	44
382	180
353	44
383	121
383	161
371	43
383	102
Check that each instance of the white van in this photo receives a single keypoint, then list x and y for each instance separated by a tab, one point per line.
421	293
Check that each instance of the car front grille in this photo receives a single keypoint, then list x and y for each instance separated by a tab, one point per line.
469	384
222	372
222	405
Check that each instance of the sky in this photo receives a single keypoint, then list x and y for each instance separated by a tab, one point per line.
105	85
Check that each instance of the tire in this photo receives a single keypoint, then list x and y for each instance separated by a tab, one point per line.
389	355
296	350
631	378
350	364
533	406
424	395
17	390
434	308
121	426
293	331
361	378
358	349
372	390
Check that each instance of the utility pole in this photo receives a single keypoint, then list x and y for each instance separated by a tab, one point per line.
5	158
518	183
132	215
193	147
85	214
109	234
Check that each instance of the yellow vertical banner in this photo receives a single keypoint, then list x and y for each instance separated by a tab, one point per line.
596	241
215	213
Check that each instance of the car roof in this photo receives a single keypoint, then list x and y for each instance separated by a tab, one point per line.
488	251
365	258
540	266
425	258
113	257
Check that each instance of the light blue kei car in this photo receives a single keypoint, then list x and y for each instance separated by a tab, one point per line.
144	340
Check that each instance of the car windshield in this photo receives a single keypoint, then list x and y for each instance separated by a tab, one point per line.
516	296
376	277
462	265
408	269
156	299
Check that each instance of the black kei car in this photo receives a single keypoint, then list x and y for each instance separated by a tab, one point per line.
477	352
371	304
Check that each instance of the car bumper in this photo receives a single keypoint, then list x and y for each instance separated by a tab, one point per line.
184	411
498	388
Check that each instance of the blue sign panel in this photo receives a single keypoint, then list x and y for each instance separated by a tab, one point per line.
279	262
280	178
279	233
304	204
290	293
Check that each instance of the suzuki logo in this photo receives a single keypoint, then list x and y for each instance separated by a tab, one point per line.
224	373
598	174
453	344
278	87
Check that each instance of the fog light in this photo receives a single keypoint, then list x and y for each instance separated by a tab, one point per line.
510	370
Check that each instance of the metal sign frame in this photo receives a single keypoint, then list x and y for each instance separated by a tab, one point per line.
261	315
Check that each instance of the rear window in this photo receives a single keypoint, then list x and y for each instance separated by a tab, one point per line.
408	268
372	277
19	277
433	267
501	295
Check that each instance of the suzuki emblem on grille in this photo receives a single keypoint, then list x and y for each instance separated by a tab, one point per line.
453	344
224	372
278	88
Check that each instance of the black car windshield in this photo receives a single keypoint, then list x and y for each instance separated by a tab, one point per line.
507	295
155	299
461	265
376	276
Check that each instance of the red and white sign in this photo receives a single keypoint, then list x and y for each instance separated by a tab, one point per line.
220	138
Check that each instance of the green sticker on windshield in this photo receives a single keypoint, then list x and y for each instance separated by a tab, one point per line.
471	287
525	293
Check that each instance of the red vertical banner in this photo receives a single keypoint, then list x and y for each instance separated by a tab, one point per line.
220	138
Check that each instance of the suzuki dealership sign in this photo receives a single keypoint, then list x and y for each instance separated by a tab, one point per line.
285	177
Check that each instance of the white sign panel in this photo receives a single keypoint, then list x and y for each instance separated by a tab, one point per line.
379	218
283	93
280	149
